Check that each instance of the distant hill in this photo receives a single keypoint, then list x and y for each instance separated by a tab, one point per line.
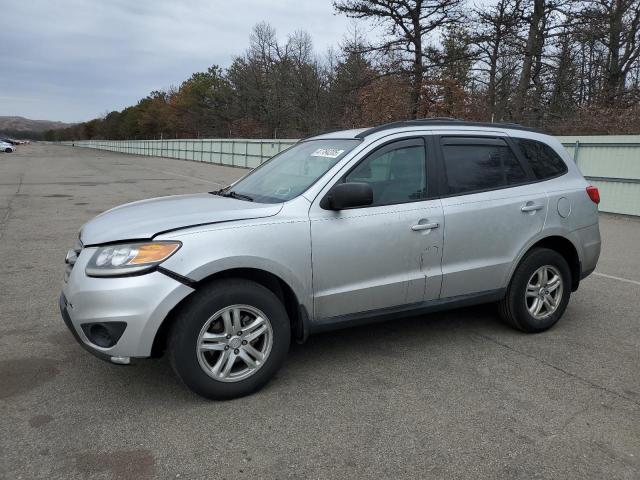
21	124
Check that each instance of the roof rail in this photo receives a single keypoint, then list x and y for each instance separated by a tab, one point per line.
441	121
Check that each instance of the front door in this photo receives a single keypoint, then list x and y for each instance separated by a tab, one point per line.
386	254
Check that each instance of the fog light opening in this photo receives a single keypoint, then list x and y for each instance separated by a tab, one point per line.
104	334
99	335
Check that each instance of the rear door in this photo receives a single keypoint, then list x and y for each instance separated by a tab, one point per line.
492	208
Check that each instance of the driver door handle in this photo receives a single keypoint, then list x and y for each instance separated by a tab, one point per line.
424	226
531	208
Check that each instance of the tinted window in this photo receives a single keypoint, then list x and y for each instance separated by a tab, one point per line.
396	175
544	161
481	167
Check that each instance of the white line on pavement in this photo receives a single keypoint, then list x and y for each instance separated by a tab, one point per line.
634	282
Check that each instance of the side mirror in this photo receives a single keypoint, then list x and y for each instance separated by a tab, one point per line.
348	195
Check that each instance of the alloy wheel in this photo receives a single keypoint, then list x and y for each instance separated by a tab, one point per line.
544	292
234	343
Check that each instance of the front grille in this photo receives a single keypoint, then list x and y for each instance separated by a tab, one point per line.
70	259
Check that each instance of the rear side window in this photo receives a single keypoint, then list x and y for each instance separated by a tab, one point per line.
484	165
544	161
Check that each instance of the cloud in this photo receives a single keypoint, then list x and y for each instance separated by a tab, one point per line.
73	60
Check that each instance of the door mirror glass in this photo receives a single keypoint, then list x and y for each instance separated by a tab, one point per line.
348	195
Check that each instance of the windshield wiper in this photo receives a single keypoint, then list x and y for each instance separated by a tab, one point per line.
223	192
239	196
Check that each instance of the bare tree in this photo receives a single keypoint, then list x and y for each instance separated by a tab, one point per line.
546	20
568	66
409	24
495	29
616	25
532	51
564	82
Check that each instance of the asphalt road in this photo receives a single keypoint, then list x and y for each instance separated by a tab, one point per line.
451	395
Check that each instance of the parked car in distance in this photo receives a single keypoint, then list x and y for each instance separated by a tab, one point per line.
339	230
6	147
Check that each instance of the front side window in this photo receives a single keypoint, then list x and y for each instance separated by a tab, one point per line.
396	173
544	161
291	172
484	166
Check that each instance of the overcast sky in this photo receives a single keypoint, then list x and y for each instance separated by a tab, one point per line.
73	60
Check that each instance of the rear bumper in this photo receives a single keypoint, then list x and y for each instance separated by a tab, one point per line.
585	273
589	239
141	302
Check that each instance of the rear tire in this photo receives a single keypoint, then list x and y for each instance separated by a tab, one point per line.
538	293
229	339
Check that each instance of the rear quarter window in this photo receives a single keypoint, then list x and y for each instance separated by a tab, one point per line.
544	161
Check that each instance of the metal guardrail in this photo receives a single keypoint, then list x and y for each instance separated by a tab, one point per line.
246	153
612	163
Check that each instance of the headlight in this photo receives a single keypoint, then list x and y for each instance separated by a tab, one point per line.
130	258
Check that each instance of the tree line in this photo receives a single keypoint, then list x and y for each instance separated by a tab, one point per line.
562	65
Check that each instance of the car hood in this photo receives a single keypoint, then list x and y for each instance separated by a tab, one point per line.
146	218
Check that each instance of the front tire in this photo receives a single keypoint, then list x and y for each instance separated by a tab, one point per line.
229	339
538	293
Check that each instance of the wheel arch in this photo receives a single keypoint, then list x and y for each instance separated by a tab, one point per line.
565	247
297	312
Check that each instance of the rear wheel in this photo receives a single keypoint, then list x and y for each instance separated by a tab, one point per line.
538	293
229	339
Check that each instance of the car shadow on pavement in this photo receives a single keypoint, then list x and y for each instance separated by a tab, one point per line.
325	354
414	330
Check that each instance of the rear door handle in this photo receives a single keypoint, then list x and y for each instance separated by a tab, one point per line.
531	208
424	226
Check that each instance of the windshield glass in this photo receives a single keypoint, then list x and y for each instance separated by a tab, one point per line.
291	172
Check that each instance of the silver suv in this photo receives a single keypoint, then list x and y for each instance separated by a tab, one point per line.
341	229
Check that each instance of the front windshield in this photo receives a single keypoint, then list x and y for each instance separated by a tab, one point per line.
293	171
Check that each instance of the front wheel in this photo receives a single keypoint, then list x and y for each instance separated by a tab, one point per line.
538	293
229	339
7	150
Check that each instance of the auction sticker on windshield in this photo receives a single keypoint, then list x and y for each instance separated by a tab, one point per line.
327	153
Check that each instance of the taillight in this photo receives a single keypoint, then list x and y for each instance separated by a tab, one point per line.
594	194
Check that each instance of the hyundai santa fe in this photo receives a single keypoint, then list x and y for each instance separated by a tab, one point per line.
340	229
